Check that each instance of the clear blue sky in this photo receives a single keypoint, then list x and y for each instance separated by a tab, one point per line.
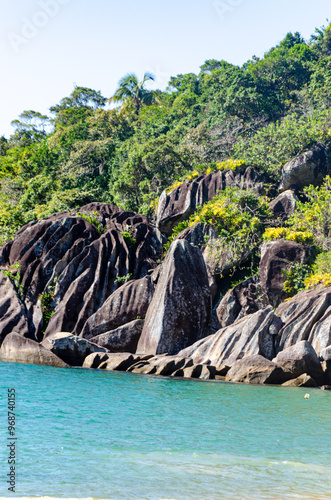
48	46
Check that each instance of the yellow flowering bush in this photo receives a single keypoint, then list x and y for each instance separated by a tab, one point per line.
276	233
230	164
321	271
193	175
234	212
314	280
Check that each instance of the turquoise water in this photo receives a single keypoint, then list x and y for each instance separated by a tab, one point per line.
85	433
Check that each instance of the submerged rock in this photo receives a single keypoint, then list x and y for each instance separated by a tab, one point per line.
180	311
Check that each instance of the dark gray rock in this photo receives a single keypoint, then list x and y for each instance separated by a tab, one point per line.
72	349
255	370
276	257
179	313
306	317
95	360
302	381
320	335
18	349
110	361
247	337
40	247
88	281
13	315
299	359
161	365
64	257
203	372
245	298
284	205
308	168
182	201
128	303
326	364
123	339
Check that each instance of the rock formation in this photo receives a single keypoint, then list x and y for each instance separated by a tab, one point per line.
182	201
179	313
18	349
276	257
97	275
308	168
255	370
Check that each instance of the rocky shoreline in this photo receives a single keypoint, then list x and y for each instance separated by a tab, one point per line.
71	296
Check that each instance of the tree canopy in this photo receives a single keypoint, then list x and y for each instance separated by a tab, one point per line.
131	91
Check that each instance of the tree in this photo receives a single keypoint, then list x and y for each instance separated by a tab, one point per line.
76	108
3	145
131	91
80	97
212	64
321	40
182	83
29	128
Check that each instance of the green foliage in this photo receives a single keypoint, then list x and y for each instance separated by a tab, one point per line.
46	302
132	93
234	211
13	273
261	114
296	278
123	279
92	218
315	216
271	147
128	238
238	216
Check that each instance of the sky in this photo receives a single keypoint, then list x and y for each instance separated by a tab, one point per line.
49	46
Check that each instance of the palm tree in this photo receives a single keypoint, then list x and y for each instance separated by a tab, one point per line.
130	90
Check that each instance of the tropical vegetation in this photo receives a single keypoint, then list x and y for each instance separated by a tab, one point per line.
227	117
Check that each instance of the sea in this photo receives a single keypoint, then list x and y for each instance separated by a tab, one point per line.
92	433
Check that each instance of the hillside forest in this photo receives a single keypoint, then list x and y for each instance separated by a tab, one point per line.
127	149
